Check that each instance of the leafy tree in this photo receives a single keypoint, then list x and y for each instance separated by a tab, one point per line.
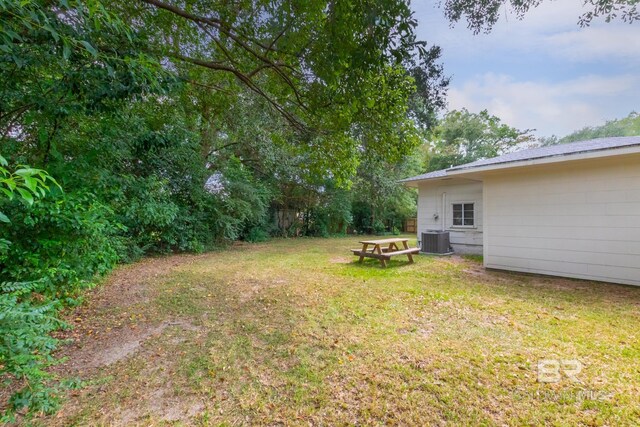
482	16
380	202
463	137
431	89
62	58
26	182
627	126
334	70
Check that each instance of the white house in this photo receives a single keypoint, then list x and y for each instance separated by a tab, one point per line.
568	210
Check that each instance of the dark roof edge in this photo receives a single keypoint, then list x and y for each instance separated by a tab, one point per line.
469	166
528	155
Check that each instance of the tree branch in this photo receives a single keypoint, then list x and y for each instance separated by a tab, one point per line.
245	78
248	82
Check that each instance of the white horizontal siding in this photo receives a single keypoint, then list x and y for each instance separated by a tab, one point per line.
464	240
577	219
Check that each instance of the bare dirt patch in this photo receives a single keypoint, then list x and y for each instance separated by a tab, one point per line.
117	317
121	343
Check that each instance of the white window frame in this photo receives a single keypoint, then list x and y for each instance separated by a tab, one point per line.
474	214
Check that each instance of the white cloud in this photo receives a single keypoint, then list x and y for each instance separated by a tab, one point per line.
550	29
551	15
597	43
509	32
543	72
551	108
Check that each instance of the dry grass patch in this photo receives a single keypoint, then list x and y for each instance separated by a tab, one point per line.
289	333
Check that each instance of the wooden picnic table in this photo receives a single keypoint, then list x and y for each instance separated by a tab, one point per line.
384	249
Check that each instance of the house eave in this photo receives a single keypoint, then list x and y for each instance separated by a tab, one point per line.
414	183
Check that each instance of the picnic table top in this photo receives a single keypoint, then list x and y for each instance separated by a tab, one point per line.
383	241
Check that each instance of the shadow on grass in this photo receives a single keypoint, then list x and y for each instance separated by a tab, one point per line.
373	269
374	263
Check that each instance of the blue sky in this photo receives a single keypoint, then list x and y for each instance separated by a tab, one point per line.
543	72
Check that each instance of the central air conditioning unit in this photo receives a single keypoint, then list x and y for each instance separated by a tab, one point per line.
436	242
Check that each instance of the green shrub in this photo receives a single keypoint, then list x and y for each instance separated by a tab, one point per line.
379	227
256	234
27	314
64	240
26	345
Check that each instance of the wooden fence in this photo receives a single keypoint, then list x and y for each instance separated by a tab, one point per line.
410	225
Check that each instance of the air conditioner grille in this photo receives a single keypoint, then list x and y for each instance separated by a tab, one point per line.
436	242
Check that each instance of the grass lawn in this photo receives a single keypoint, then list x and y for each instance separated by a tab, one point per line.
294	332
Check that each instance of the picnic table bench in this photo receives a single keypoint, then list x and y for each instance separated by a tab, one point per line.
375	249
